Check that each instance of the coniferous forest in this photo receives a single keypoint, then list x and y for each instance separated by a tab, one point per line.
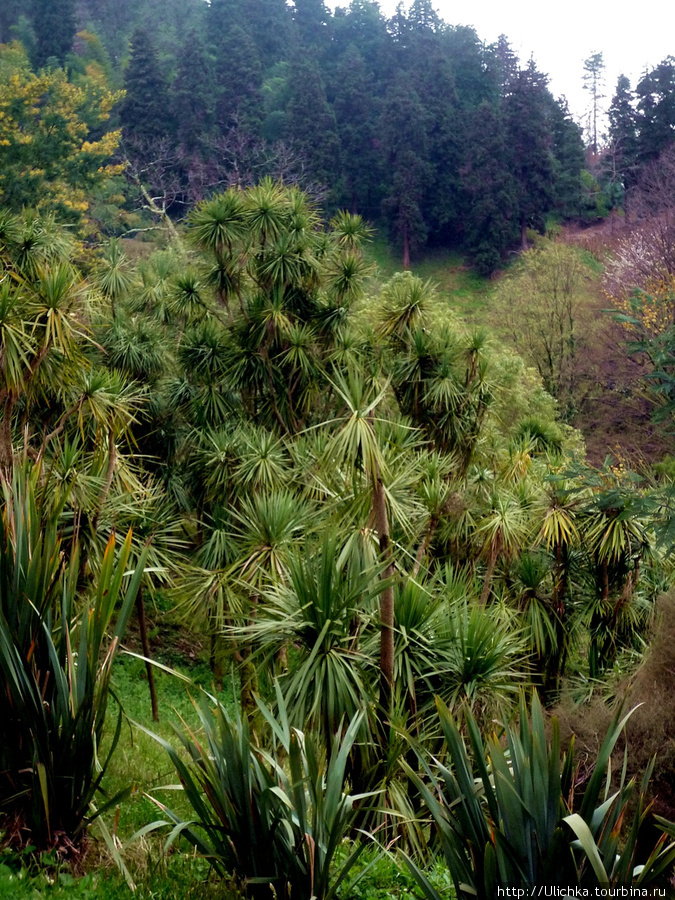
337	464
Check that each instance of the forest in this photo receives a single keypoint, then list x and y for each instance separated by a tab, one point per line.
337	463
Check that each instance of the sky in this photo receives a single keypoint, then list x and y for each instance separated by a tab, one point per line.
562	34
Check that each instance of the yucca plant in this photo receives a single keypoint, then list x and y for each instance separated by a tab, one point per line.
56	656
276	827
506	815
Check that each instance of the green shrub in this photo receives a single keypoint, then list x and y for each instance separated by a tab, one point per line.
55	668
276	828
509	819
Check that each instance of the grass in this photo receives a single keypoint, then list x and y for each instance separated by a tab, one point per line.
466	293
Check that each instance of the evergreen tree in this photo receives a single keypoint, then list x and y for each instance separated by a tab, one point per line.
433	80
10	12
363	27
312	24
527	119
54	25
238	79
623	147
269	23
311	123
355	116
569	159
492	217
594	81
403	131
656	108
193	92
146	110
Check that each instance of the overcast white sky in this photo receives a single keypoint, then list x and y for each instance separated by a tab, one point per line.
562	33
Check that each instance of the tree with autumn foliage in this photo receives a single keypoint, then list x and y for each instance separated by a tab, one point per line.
52	152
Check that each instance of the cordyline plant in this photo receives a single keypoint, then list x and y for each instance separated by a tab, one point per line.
56	656
506	815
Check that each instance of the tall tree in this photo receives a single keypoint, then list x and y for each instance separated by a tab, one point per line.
568	152
238	76
193	92
311	122
656	108
623	136
403	131
355	107
54	25
527	118
594	82
146	111
492	217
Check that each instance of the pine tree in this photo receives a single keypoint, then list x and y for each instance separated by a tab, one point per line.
594	81
54	25
146	111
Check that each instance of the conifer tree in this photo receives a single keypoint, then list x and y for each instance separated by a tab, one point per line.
311	122
54	26
623	122
403	130
193	92
354	107
527	120
569	159
656	109
146	111
594	80
238	79
492	217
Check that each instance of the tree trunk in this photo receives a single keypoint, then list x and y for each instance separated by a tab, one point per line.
149	668
523	235
387	597
6	449
487	584
406	247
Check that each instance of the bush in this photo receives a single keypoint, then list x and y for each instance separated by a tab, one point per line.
55	668
509	819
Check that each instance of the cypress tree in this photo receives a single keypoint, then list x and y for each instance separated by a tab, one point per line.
238	79
569	160
656	109
527	119
193	91
623	134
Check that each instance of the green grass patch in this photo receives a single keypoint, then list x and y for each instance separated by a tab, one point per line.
466	293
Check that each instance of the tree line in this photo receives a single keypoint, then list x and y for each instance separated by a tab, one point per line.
417	125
